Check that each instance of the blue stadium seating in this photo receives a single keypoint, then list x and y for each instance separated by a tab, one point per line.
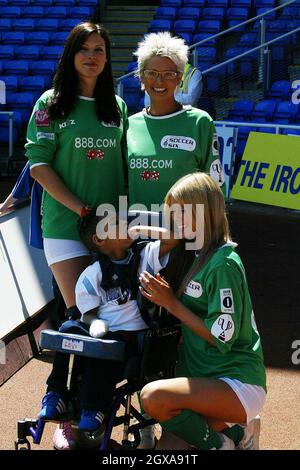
37	37
132	93
21	3
6	52
36	83
263	111
166	13
248	40
291	132
218	3
42	67
241	110
65	3
243	134
201	36
22	24
10	12
27	52
22	102
87	3
185	26
46	24
171	3
79	12
43	3
188	13
236	16
58	38
55	12
33	12
213	13
285	112
280	89
241	4
67	24
11	82
160	25
13	37
51	52
270	16
206	57
209	26
15	67
194	3
5	24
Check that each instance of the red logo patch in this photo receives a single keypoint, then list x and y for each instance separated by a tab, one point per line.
150	175
41	118
98	154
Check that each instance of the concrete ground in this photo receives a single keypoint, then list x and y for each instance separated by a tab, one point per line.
21	395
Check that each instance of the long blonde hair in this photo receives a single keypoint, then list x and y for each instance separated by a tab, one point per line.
200	188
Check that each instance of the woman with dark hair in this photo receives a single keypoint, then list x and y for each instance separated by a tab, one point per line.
75	146
75	143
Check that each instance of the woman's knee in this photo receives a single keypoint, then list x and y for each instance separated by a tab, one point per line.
153	399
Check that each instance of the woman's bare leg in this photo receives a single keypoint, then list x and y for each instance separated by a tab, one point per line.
66	274
211	398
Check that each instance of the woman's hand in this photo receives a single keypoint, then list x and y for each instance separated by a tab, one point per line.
158	290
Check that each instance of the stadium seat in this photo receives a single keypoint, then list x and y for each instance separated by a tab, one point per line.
4	135
46	24
27	52
291	132
6	52
4	120
67	24
214	13
3	3
265	3
241	109
21	3
132	66
288	13
217	4
160	25
187	37
194	3
166	13
5	24
22	102
40	38
58	38
185	26
206	57
51	52
42	3
280	89
11	82
65	3
36	83
269	16
263	111
243	134
132	93
285	112
79	12
42	67
33	12
188	13
277	26
22	24
248	40
13	37
15	67
10	12
87	3
171	3
55	12
241	4
209	26
236	16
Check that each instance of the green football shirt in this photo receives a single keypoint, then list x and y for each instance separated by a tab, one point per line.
84	152
162	149
219	295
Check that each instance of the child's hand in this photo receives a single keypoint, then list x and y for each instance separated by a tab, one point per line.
157	289
98	328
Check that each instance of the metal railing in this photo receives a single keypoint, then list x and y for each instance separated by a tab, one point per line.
277	127
10	132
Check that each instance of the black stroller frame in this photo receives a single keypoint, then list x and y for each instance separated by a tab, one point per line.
157	360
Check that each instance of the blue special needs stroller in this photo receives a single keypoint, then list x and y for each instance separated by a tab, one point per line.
156	358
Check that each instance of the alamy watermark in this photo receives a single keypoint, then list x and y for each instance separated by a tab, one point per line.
2	352
296	354
296	93
2	92
179	222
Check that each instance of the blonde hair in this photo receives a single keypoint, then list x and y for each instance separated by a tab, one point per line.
164	45
200	188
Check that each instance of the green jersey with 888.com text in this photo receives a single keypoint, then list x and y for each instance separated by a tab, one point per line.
84	152
162	149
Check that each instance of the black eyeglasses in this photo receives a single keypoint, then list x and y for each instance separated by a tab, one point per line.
165	75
